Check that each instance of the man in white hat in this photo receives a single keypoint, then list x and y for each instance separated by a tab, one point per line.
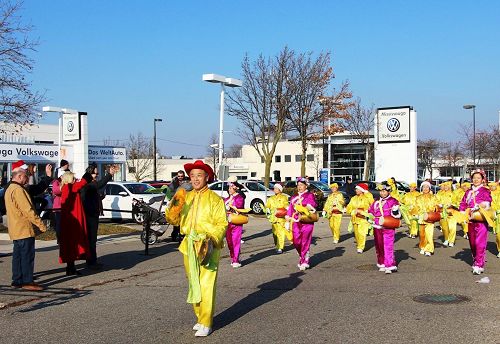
276	210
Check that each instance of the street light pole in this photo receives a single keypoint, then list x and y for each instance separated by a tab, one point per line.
473	107
230	82
154	146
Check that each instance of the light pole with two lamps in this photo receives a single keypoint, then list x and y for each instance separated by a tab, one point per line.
473	107
223	81
327	101
154	147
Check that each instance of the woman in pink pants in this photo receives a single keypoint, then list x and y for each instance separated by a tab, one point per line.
236	200
302	232
386	205
478	196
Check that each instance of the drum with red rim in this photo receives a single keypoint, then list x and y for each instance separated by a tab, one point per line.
390	222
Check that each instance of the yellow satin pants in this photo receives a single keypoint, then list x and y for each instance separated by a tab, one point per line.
413	228
204	310
444	228
360	232
498	240
279	234
334	222
426	234
452	229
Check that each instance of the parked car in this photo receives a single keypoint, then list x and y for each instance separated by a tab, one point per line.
157	183
256	194
117	204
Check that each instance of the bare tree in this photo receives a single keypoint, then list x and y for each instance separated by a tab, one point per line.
360	123
428	152
18	102
451	154
234	151
263	103
311	79
212	152
140	157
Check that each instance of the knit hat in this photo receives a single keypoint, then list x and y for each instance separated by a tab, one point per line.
19	165
278	186
424	184
362	187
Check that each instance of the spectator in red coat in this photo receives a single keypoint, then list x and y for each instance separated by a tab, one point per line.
73	239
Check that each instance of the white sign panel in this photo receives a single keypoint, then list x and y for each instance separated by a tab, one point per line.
393	124
107	154
71	127
33	152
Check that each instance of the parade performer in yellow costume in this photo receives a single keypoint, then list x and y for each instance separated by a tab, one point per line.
425	203
333	208
394	189
448	219
203	222
274	209
408	210
495	205
458	194
358	209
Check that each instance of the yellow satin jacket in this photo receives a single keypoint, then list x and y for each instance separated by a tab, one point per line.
426	203
359	202
458	194
495	204
334	200
275	202
204	211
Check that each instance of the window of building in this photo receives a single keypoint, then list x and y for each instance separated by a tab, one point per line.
253	174
131	169
298	158
262	159
288	158
310	157
277	158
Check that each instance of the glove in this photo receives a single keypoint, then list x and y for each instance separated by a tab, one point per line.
287	226
228	207
395	208
476	208
323	213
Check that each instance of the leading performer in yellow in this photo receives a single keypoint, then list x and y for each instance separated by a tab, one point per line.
202	217
273	206
358	209
426	203
448	220
458	194
333	208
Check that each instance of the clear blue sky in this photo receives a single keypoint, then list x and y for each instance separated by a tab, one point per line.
126	62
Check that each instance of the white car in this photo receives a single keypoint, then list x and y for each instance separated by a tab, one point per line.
256	194
117	204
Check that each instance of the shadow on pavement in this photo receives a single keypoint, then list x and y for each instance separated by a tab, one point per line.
401	256
257	235
267	292
261	255
465	255
492	247
323	256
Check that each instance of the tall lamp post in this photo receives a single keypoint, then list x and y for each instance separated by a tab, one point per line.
154	146
327	101
473	107
223	81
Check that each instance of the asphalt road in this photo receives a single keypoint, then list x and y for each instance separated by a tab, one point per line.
341	299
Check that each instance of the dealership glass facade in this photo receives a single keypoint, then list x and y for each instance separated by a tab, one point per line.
347	160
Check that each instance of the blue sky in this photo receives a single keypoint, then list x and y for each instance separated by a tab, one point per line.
127	62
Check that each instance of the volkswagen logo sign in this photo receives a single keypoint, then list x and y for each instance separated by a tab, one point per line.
393	125
71	126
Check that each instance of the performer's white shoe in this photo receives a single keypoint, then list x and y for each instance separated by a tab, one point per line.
387	271
203	331
279	251
477	270
451	244
197	326
359	250
381	269
301	267
498	255
445	243
380	266
422	251
428	254
335	241
466	236
235	265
